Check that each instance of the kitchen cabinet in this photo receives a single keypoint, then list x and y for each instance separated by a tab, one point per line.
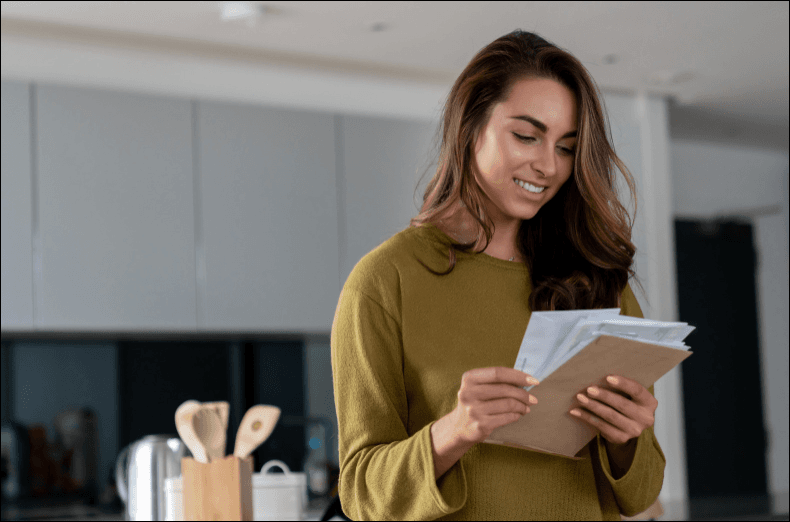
16	281
134	212
383	159
114	179
268	212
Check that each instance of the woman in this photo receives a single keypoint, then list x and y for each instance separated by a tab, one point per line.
423	345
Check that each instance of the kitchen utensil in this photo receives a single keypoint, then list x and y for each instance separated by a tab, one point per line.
187	432
316	464
208	428
255	428
16	460
219	490
275	496
41	465
223	409
77	445
140	478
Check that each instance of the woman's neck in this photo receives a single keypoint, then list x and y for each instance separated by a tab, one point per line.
462	227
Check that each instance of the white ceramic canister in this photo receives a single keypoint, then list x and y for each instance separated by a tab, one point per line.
275	496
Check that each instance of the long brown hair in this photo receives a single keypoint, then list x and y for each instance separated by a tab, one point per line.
578	246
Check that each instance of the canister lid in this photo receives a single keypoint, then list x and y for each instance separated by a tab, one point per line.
278	480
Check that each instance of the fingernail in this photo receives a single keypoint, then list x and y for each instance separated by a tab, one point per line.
532	380
533	399
592	390
577	413
582	398
612	380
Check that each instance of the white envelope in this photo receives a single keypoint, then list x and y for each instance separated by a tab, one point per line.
546	331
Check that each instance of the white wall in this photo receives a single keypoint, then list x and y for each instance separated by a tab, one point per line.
640	135
716	179
145	70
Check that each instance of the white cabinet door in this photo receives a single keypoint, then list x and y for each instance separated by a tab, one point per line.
269	227
116	210
16	306
383	159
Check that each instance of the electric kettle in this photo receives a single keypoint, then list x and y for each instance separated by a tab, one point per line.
140	474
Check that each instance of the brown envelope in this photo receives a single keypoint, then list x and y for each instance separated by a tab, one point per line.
549	428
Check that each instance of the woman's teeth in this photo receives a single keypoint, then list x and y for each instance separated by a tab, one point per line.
527	186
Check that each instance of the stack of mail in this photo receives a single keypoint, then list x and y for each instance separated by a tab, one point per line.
553	338
568	351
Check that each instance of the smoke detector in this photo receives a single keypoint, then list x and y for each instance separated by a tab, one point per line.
249	12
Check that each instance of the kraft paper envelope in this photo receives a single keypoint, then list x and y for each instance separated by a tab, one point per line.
549	428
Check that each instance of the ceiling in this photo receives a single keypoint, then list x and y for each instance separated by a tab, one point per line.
713	59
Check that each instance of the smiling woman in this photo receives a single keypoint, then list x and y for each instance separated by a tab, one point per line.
527	111
422	360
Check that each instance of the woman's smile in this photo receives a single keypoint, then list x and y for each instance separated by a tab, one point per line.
530	190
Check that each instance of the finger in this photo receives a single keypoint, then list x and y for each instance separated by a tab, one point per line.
639	394
607	430
499	374
500	406
613	399
611	416
486	392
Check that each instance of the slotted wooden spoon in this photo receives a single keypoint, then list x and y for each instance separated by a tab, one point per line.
256	426
223	410
208	428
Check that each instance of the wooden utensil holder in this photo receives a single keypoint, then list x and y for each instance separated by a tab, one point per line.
220	490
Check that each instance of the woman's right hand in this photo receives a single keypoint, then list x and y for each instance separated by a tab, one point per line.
490	398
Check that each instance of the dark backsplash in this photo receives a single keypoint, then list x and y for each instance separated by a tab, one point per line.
152	377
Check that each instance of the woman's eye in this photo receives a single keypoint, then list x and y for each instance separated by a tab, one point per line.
526	138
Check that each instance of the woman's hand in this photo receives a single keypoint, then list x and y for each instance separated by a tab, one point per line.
490	398
618	418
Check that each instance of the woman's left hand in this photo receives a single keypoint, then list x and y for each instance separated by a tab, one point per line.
618	418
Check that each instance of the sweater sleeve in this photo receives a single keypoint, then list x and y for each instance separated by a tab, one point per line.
638	489
385	474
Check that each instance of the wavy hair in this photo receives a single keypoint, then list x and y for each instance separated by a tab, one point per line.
578	246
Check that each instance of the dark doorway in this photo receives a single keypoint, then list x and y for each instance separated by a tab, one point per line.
722	395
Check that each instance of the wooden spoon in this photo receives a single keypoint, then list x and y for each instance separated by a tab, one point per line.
223	410
255	428
208	428
186	431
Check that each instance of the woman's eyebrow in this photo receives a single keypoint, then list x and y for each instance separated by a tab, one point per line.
540	125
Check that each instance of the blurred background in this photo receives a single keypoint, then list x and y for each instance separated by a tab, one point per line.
186	187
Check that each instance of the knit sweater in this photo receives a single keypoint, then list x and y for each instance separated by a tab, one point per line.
401	340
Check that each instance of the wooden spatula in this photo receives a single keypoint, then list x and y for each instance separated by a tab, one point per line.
186	431
256	426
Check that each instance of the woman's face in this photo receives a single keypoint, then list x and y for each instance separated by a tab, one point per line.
540	153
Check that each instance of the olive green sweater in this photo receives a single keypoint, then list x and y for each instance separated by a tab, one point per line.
401	340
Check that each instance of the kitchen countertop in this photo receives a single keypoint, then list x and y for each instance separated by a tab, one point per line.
58	508
52	509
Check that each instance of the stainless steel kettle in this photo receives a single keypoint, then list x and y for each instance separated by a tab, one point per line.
140	478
